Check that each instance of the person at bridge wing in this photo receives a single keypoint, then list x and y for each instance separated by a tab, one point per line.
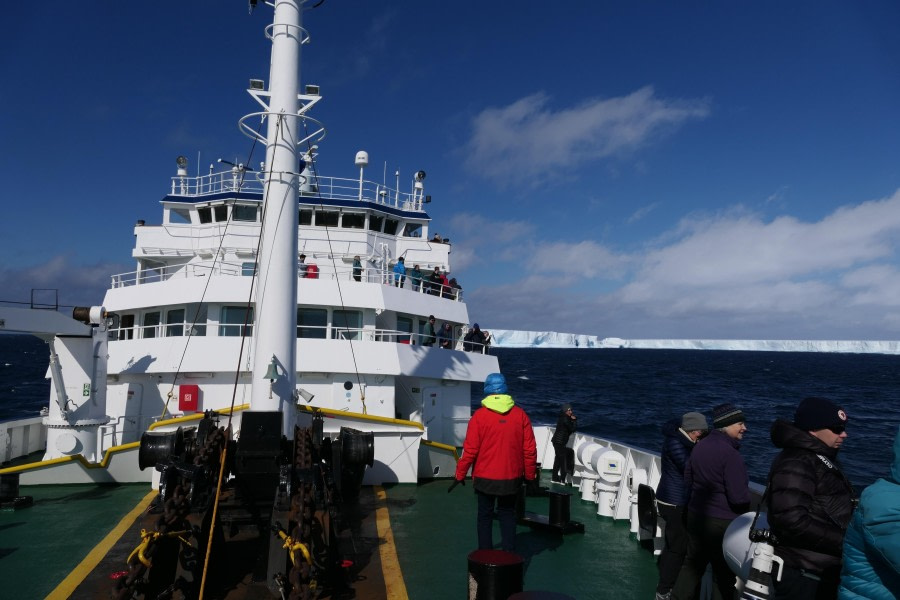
357	269
565	427
474	339
445	337
718	489
679	437
430	335
400	273
809	500
415	278
872	543
500	443
302	267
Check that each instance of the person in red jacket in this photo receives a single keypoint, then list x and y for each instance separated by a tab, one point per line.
500	443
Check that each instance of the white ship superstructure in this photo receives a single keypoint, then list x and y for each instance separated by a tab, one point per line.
186	334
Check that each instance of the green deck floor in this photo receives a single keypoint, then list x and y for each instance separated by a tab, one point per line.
434	532
40	545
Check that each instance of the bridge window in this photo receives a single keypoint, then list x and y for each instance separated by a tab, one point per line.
231	323
306	217
205	214
242	212
405	325
390	226
248	269
151	322
312	323
375	223
346	324
412	230
175	322
221	213
126	327
179	215
327	218
353	221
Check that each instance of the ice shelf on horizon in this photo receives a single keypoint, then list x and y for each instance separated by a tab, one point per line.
506	338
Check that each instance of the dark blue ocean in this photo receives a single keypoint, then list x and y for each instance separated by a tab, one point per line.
627	394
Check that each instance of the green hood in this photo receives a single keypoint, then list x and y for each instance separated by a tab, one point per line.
501	403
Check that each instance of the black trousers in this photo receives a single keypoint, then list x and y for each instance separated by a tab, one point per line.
675	547
705	536
797	584
560	462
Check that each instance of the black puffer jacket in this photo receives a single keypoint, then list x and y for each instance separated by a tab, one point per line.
809	500
565	427
676	450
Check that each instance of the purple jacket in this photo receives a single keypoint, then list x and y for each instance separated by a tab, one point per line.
715	478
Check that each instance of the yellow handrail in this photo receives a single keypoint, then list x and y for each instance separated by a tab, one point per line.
361	416
107	456
441	446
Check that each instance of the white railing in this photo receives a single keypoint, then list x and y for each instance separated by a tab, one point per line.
327	271
323	187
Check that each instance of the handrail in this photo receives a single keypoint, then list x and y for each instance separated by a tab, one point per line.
196	416
107	456
441	446
362	417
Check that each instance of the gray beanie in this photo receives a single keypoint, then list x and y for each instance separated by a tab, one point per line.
694	421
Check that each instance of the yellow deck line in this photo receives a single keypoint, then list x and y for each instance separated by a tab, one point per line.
390	565
90	562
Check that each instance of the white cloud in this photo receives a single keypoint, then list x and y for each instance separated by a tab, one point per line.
78	285
529	137
733	275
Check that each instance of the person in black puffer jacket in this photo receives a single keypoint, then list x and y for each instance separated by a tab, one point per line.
810	501
679	437
565	427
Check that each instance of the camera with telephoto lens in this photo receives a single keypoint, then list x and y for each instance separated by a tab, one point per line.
763	535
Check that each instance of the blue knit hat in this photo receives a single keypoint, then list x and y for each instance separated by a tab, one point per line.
495	384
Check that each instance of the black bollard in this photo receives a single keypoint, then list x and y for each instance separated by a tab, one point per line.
559	509
495	574
9	486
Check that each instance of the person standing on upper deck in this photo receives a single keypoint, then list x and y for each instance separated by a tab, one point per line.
565	427
430	335
400	273
302	267
679	438
718	489
500	444
415	278
357	268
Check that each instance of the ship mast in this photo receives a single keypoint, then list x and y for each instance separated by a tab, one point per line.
275	329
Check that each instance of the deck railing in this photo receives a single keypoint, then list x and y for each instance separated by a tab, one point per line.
336	188
230	269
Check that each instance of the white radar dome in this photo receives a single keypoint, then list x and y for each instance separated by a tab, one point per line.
362	159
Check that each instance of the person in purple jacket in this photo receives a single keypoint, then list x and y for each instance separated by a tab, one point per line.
717	485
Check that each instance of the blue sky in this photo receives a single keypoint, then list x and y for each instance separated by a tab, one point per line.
630	169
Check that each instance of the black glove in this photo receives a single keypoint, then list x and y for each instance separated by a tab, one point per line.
456	483
531	487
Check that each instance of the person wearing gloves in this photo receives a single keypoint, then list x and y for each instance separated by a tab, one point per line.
872	542
500	443
809	500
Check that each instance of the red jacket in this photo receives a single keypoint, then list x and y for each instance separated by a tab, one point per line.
500	443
